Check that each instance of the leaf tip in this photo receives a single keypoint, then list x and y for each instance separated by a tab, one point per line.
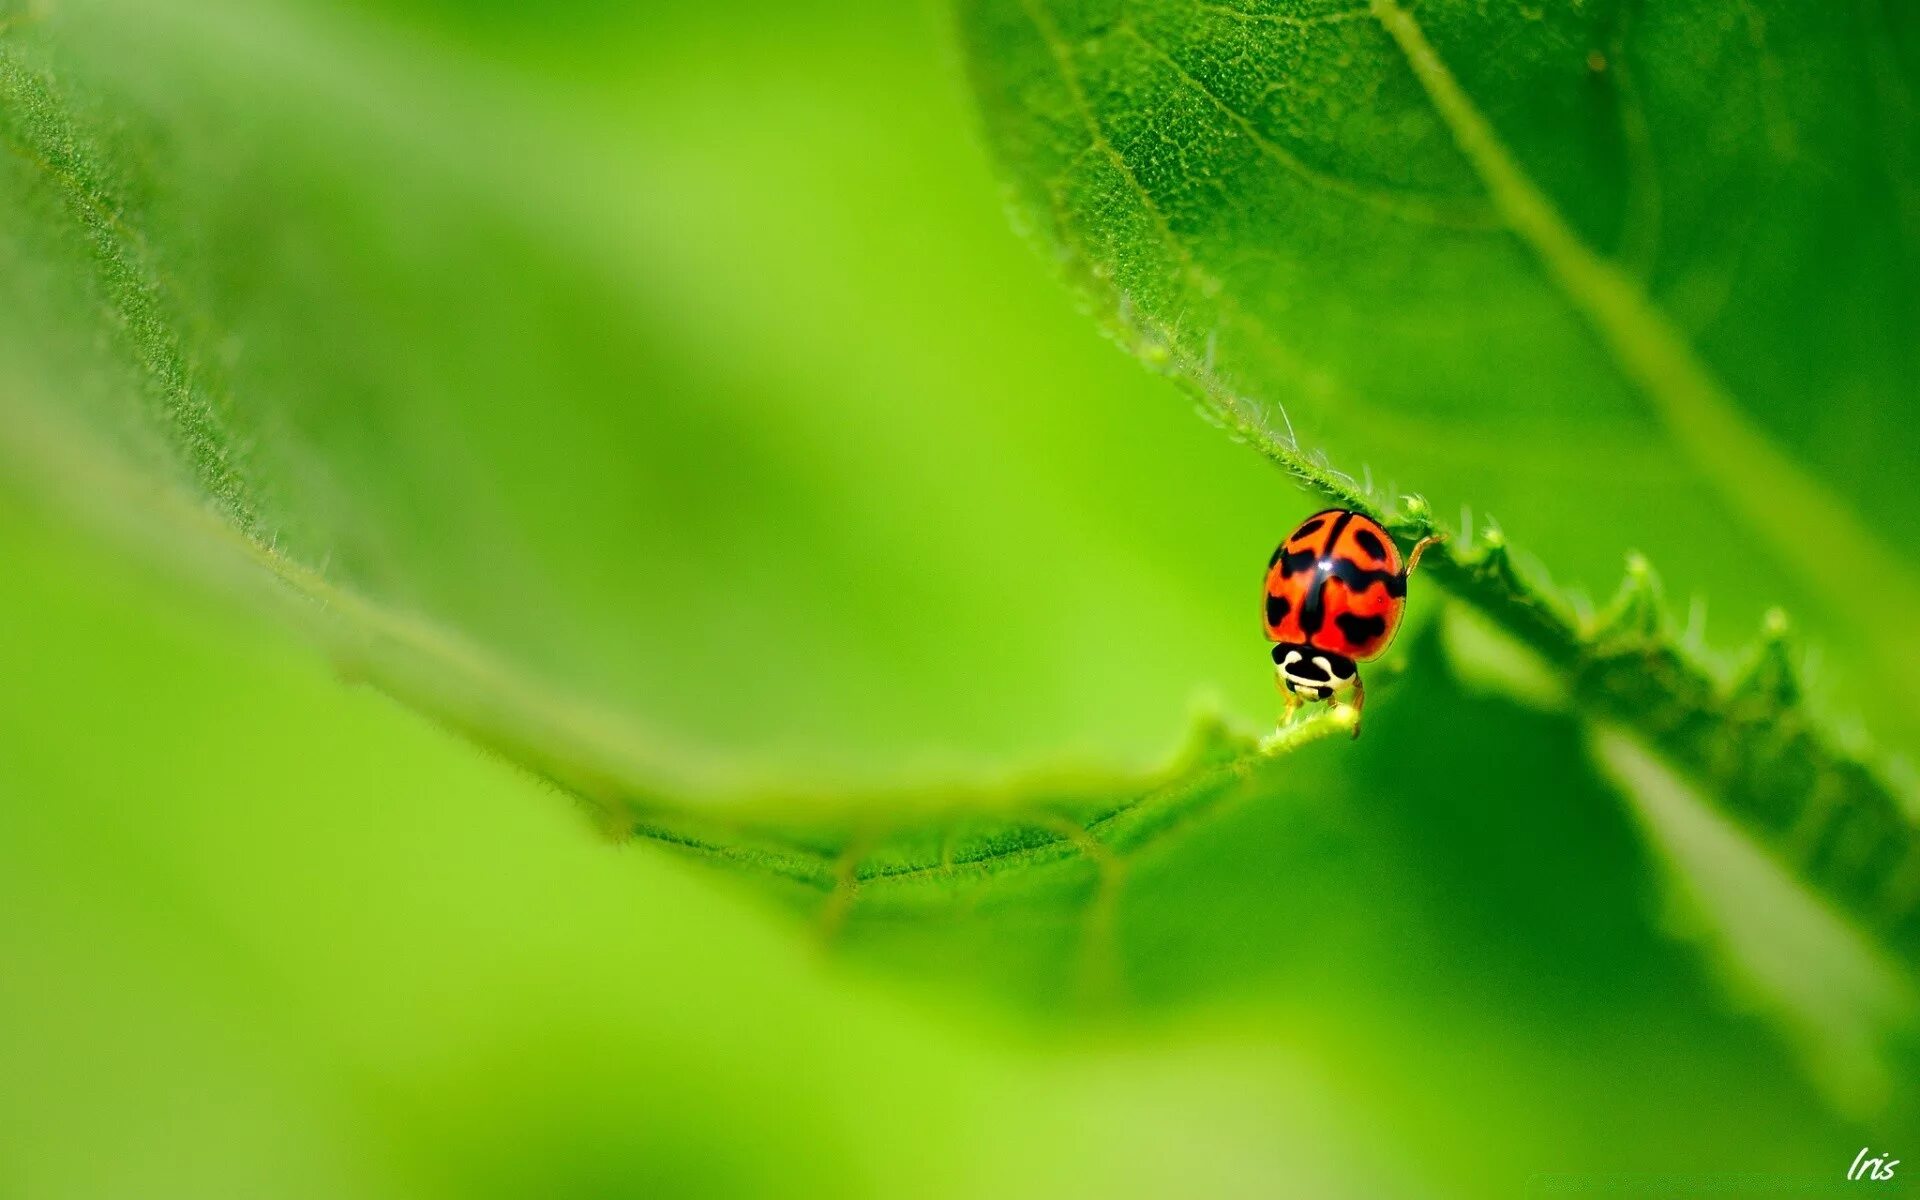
1637	612
1775	626
1415	511
1771	680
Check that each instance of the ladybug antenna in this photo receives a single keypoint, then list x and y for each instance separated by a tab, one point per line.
1420	547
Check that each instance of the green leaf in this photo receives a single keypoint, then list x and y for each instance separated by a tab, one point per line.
1604	266
1424	240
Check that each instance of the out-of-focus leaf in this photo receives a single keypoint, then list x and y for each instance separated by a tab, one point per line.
268	936
1495	931
647	374
1348	950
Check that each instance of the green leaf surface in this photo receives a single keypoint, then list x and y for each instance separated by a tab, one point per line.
1640	268
1424	236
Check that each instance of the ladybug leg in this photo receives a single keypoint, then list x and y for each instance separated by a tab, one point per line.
1419	548
1359	702
1293	706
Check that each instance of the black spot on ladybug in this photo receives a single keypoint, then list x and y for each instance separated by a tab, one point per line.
1277	609
1307	528
1292	562
1361	631
1277	552
1371	545
1312	611
1339	526
1360	578
1341	666
1313	606
1322	693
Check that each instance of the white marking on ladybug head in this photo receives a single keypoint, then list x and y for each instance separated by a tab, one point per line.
1339	666
1327	689
1320	677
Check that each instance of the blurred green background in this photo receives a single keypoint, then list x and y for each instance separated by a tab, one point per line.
684	358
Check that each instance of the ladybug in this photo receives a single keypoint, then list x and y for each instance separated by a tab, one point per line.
1335	591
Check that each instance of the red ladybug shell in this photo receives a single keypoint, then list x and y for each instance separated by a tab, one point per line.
1336	584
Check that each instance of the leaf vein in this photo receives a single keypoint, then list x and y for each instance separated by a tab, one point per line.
1405	205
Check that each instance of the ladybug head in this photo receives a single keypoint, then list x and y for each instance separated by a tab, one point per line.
1311	672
